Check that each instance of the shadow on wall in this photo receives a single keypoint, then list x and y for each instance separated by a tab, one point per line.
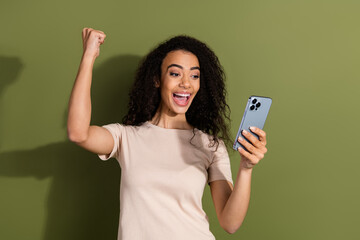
83	201
10	68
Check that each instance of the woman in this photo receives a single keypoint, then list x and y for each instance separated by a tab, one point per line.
171	142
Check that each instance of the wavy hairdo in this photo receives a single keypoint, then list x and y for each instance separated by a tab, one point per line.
208	111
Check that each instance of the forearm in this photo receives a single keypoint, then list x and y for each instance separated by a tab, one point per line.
79	114
237	205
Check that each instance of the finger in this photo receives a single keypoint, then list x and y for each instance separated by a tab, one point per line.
257	153
254	140
252	158
97	35
247	145
83	33
261	133
86	34
102	34
102	38
90	32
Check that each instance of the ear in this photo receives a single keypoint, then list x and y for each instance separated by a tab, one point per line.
156	82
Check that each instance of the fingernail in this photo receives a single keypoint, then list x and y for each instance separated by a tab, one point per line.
245	132
241	139
252	128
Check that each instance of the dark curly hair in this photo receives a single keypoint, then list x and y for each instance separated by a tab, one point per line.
208	112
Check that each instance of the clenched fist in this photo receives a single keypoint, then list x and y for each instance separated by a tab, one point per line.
92	39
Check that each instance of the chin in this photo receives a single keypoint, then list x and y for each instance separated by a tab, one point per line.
176	110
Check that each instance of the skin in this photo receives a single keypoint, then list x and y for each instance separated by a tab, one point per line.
231	202
180	73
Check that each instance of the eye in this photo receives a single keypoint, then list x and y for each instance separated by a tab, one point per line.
195	76
174	74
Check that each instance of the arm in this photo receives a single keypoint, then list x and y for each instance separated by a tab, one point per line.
231	203
93	138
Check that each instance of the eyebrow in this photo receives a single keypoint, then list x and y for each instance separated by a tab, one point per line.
181	67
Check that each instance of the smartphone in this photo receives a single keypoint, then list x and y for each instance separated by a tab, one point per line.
256	111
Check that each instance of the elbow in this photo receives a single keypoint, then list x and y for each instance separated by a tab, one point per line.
76	137
231	228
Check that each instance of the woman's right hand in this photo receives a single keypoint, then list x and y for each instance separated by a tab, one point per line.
92	39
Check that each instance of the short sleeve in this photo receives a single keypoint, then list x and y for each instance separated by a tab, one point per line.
220	168
116	131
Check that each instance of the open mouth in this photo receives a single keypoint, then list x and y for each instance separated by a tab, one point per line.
181	99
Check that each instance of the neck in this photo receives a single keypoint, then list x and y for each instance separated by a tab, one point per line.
166	119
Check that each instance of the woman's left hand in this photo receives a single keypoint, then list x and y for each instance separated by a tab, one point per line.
256	150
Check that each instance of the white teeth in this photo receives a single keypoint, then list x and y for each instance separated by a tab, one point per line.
182	94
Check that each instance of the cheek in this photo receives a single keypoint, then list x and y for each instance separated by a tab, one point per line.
196	86
168	85
164	94
165	89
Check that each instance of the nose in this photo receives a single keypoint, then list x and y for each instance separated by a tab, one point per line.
185	82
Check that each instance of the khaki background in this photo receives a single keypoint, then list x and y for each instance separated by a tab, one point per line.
303	54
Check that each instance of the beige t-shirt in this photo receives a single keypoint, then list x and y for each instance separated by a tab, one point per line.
163	177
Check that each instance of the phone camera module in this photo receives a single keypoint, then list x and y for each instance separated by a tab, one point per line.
254	101
258	104
252	107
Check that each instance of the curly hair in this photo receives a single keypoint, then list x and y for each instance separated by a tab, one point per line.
208	112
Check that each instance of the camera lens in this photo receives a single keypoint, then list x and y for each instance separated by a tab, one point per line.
258	104
252	107
254	101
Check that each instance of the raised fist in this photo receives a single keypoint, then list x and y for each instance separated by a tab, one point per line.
92	39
